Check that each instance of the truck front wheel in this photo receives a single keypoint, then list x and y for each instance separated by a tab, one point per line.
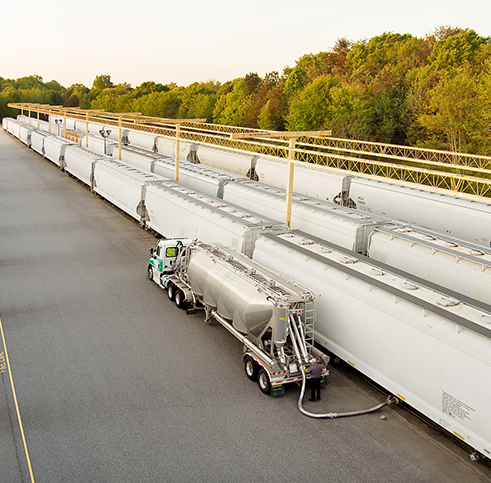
250	367
263	381
150	272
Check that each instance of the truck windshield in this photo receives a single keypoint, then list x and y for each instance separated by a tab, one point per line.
170	252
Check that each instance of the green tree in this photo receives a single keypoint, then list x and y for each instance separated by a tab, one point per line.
310	109
232	107
453	111
456	50
102	82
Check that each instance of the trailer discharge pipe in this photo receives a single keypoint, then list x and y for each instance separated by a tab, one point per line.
389	400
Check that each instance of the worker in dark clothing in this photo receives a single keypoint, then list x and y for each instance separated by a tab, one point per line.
315	371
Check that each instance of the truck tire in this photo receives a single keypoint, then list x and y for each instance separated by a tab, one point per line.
263	381
250	367
179	298
171	291
150	272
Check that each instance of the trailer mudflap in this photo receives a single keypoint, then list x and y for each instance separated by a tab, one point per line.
190	308
277	390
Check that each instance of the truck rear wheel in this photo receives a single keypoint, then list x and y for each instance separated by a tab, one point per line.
170	291
263	381
251	368
179	298
150	272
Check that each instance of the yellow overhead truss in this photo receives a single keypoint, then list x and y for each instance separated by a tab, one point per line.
461	173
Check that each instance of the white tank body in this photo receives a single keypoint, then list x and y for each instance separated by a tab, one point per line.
25	131
10	126
138	157
70	122
459	266
343	226
446	214
78	162
37	141
121	185
167	147
309	179
178	212
142	139
94	128
227	160
235	298
97	145
16	129
436	356
197	177
55	148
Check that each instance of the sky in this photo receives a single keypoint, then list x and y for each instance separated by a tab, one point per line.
187	41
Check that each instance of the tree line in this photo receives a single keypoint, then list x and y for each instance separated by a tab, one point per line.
394	88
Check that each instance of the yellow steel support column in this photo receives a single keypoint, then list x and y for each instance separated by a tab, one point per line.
64	125
87	130
120	136
178	148
38	119
49	120
29	115
289	188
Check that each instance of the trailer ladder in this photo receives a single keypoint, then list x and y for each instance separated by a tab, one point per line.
309	325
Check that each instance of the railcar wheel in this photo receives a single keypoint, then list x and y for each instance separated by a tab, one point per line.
170	291
263	381
251	368
150	272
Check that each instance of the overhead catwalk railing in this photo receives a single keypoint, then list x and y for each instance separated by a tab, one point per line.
465	174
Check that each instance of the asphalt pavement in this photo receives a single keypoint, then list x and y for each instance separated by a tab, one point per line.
113	383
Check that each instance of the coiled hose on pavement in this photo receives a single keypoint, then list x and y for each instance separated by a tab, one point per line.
389	400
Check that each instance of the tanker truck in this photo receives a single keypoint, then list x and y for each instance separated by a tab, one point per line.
272	316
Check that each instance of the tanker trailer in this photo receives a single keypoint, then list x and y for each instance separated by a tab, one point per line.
272	316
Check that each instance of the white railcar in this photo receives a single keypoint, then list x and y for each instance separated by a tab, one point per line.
430	350
309	179
99	145
203	179
142	139
227	160
462	267
197	177
167	147
93	127
16	125
42	125
25	134
67	122
343	226
55	148
10	125
37	140
79	162
7	124
122	185
177	212
446	214
139	157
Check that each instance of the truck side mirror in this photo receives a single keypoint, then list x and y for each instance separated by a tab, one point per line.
151	251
